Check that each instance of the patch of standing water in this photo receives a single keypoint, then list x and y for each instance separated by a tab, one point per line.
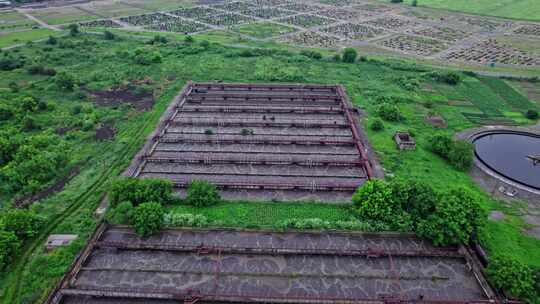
509	155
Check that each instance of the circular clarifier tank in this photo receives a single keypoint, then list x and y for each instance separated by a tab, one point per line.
512	155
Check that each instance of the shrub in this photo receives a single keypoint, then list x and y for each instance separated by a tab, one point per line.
389	112
311	54
189	39
147	218
121	214
185	220
457	215
73	29
349	55
9	245
451	78
377	125
108	35
6	111
441	144
458	153
415	197
532	114
65	81
374	201
52	40
145	56
23	223
37	161
202	193
512	276
139	191
461	155
8	63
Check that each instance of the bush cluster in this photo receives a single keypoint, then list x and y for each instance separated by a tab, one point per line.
515	278
446	218
349	55
389	112
37	69
459	153
139	202
532	114
202	193
451	78
16	226
138	191
144	56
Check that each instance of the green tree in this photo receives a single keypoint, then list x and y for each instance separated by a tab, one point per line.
374	201
512	276
9	245
415	197
23	223
377	125
389	112
349	55
441	144
202	193
73	29
457	215
139	191
147	218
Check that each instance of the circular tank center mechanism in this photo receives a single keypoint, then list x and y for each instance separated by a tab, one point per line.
513	155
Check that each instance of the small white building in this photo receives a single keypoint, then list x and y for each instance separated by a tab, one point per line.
58	240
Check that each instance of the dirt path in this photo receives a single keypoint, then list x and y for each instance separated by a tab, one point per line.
40	22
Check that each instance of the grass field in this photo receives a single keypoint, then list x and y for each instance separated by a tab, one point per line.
14	21
8	39
99	64
113	9
263	30
520	9
62	15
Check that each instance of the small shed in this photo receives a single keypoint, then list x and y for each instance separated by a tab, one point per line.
404	141
59	240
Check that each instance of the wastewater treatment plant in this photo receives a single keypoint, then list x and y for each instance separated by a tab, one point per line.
269	151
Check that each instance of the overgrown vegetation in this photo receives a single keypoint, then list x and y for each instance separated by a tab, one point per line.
69	119
445	217
459	153
138	191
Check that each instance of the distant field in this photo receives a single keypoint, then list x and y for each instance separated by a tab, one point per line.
14	21
8	39
61	15
160	5
112	9
517	9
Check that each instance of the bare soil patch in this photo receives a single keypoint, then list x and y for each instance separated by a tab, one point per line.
436	121
142	100
105	132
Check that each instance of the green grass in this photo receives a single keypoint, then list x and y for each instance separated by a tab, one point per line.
263	30
520	9
101	64
265	215
8	39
